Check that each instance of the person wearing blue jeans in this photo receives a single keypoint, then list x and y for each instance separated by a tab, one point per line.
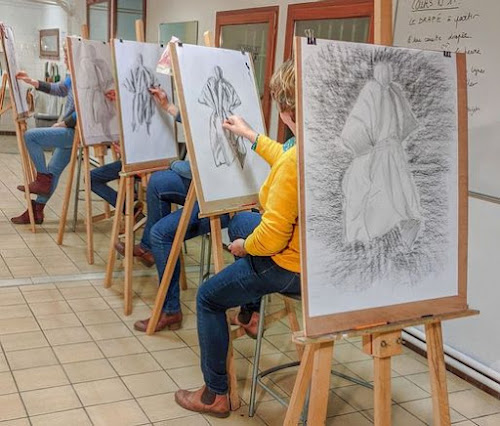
267	247
59	136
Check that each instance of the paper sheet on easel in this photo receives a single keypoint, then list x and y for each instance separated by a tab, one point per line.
165	63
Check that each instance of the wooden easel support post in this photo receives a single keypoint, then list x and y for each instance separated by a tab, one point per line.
381	342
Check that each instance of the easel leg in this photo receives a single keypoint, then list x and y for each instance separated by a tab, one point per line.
100	150
183	278
27	170
382	346
382	387
172	259
129	243
114	234
294	323
218	257
320	384
437	372
88	206
302	383
69	186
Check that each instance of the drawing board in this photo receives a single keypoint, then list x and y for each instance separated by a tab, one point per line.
382	136
147	133
213	84
91	73
18	89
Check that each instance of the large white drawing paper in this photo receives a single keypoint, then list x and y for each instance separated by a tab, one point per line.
218	83
92	68
19	89
148	132
381	175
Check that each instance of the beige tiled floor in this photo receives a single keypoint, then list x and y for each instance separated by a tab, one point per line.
69	356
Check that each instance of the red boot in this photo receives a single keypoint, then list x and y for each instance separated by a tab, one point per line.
40	186
24	219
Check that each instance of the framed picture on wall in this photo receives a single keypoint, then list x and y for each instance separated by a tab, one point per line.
49	43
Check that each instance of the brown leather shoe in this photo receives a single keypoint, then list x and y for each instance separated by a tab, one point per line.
40	186
24	218
193	401
251	328
172	322
145	256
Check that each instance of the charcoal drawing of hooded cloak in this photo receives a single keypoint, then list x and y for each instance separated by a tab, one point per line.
139	81
220	95
379	191
98	80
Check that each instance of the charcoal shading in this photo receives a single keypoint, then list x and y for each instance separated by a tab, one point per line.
140	79
220	95
384	128
96	80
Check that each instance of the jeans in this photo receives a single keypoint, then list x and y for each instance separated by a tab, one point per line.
100	177
246	280
165	187
241	226
162	236
60	138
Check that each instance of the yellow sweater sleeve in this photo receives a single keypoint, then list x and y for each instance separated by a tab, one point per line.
275	230
268	149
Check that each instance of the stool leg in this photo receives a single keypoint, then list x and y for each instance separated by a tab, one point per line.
256	359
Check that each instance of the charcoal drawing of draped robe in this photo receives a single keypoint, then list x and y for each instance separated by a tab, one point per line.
379	192
98	80
139	81
220	95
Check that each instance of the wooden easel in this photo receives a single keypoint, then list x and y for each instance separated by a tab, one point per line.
29	172
89	219
126	197
382	343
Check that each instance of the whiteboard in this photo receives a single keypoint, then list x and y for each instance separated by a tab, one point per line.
469	26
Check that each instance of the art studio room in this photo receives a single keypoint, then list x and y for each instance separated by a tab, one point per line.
261	212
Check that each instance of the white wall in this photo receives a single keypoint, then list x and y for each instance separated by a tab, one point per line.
160	11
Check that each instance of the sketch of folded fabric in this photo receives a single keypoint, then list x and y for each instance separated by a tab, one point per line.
98	79
141	79
379	191
220	95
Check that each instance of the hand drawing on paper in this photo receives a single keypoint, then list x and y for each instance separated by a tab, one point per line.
220	95
378	187
141	78
98	79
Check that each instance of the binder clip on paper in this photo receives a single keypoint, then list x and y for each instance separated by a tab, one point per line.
309	33
164	65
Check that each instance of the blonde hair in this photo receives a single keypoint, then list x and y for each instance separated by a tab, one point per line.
282	86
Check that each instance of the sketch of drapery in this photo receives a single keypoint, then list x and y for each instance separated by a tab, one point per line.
140	80
379	191
220	95
98	79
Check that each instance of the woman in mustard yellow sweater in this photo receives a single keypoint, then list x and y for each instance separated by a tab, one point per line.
268	257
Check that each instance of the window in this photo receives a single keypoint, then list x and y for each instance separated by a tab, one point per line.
345	20
254	31
114	18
